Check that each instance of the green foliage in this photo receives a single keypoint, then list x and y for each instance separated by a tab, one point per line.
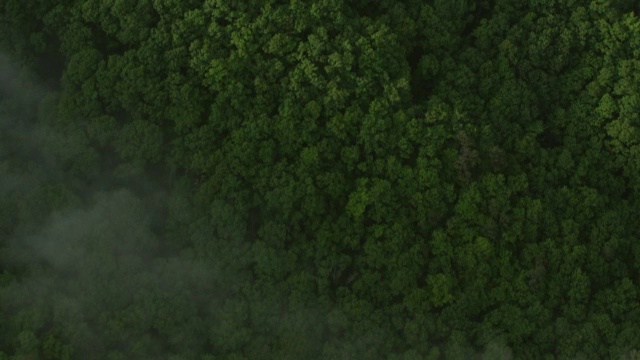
368	179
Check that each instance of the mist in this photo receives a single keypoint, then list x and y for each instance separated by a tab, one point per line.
87	253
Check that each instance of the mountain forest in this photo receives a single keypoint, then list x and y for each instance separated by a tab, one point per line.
288	179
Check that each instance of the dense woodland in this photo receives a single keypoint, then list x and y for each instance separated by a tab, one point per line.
393	179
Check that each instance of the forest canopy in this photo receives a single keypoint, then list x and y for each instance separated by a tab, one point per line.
394	179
